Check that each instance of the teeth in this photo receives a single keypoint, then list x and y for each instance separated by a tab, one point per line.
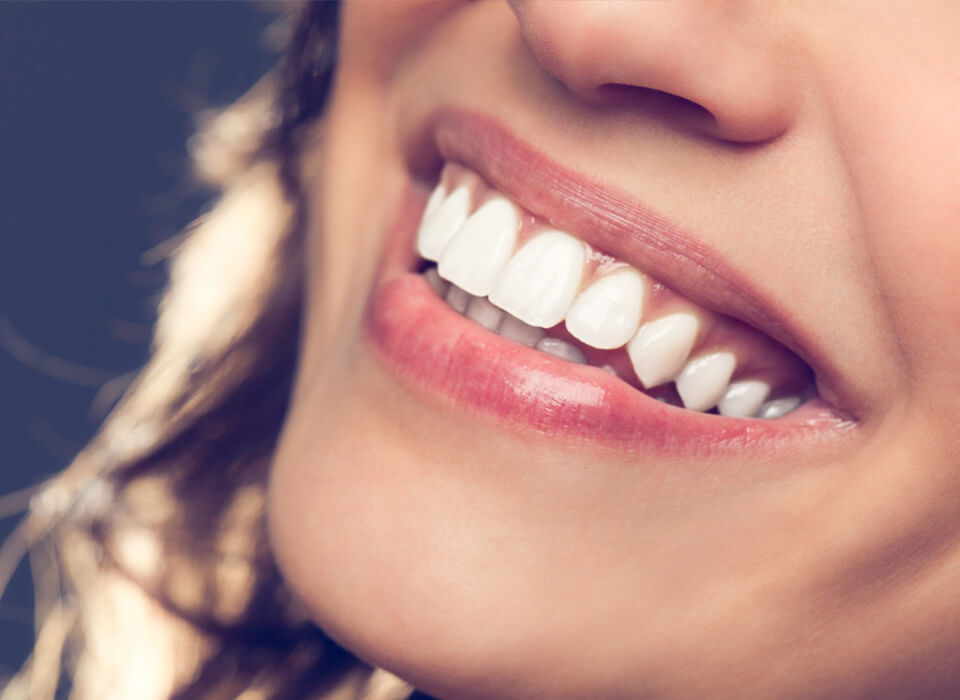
457	298
481	311
475	256
562	349
703	381
436	283
514	329
779	407
441	220
607	313
541	280
743	399
551	278
433	203
660	348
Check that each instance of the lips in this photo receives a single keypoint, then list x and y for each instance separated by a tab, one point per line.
445	357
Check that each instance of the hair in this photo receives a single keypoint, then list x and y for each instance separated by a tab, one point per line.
153	572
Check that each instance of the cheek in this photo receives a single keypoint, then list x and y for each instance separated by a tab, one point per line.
374	34
355	177
899	134
913	224
920	249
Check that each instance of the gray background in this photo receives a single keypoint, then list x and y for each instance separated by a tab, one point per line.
95	105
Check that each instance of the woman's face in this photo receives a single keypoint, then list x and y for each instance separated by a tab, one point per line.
758	203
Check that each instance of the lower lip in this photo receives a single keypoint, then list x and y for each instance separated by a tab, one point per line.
444	358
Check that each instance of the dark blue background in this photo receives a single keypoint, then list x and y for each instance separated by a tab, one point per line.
95	105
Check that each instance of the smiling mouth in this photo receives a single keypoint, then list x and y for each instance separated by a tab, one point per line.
515	275
487	305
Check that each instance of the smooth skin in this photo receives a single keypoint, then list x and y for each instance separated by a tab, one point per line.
814	147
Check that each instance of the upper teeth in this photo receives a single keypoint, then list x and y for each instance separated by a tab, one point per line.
607	314
660	348
538	278
442	218
475	255
540	282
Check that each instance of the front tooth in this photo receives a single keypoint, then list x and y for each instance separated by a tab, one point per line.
484	313
514	329
779	407
441	221
562	349
607	313
660	348
540	282
743	399
476	254
457	298
704	380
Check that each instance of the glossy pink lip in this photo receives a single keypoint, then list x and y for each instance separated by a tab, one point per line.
448	360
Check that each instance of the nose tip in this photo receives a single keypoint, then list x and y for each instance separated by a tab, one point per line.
714	68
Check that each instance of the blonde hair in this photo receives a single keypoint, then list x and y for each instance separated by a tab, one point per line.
153	572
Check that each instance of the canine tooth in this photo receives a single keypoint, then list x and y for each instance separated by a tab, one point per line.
743	399
516	330
541	280
779	407
562	349
433	202
457	298
436	283
441	221
702	383
660	348
477	253
607	313
481	311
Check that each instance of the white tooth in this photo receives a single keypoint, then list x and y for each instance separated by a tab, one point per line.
438	285
483	312
779	407
610	370
516	330
541	280
562	349
704	380
607	313
457	298
660	348
743	399
474	257
439	225
434	201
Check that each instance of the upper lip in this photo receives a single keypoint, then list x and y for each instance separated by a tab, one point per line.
613	221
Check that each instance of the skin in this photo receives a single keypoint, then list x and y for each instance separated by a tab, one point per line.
478	562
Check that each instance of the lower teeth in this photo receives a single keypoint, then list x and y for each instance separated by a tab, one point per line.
494	319
562	349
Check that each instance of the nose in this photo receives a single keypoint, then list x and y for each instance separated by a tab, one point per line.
722	69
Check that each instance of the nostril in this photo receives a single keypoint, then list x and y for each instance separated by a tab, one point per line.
648	97
666	106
